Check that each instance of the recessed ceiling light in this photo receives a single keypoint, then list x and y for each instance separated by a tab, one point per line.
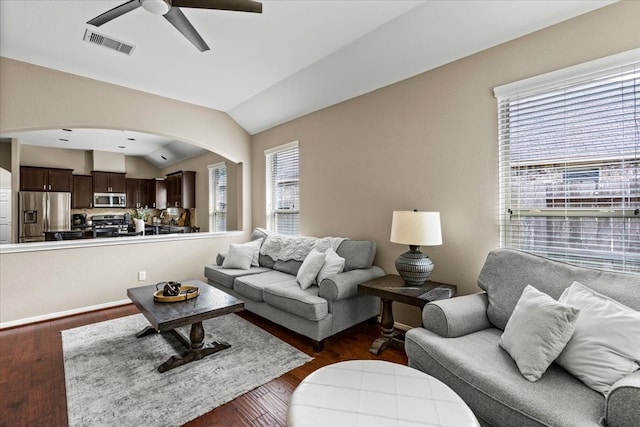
62	139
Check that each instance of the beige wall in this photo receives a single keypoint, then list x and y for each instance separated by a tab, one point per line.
429	142
138	167
53	281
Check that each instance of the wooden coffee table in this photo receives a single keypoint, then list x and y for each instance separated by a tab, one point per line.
166	317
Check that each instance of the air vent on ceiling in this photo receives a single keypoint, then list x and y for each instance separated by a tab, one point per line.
99	39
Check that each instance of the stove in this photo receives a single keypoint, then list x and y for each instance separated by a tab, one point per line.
118	222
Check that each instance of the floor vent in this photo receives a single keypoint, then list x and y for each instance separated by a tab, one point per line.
99	39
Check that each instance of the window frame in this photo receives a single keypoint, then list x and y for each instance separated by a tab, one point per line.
215	214
272	212
568	206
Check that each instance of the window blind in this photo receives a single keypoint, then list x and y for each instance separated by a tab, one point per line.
283	189
218	197
569	168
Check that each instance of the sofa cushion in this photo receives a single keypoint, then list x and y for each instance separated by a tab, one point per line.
226	276
506	272
606	344
488	380
537	332
252	286
290	267
357	253
302	302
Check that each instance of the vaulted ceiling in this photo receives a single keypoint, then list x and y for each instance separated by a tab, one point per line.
265	69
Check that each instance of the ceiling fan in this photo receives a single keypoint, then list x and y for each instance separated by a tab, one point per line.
170	10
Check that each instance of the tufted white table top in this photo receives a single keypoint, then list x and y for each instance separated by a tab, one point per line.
374	393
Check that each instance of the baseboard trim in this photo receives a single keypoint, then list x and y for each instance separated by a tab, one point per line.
50	316
402	327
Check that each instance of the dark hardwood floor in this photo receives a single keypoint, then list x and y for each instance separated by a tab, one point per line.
32	388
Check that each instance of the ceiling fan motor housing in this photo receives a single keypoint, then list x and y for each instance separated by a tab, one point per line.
158	7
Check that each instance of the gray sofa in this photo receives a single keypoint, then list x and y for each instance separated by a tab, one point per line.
459	344
318	312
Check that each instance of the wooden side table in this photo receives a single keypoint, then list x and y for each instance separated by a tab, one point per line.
392	288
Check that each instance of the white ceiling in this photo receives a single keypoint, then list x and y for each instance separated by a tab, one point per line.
297	57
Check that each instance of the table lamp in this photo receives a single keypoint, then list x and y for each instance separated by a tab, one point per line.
415	229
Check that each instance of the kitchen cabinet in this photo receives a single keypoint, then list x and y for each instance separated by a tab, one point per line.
157	190
108	182
181	189
151	193
45	179
82	194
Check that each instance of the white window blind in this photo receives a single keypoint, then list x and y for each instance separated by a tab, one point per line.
218	197
569	175
283	189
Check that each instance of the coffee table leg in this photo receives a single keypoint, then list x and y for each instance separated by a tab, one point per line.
386	340
149	330
197	351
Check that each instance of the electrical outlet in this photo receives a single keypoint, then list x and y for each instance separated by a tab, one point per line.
142	275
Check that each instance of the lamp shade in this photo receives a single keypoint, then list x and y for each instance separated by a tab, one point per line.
416	228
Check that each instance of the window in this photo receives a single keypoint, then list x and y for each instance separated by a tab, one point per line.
218	197
283	189
569	149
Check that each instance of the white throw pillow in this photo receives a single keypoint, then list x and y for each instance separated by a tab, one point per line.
310	268
239	257
606	344
537	331
333	264
241	251
255	245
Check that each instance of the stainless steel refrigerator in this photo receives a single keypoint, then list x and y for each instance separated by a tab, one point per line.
42	212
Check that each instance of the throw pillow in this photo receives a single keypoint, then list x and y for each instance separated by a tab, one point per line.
242	250
255	245
333	264
240	256
606	344
537	331
310	268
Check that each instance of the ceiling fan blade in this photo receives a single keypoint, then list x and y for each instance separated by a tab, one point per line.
182	24
115	12
236	5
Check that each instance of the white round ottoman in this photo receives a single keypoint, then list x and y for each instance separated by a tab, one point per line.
374	393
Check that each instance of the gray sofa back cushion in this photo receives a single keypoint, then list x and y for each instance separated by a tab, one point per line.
292	266
506	272
357	253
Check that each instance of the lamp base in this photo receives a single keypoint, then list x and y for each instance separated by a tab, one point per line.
414	267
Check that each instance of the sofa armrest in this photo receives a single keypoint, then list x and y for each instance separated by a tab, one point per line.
621	407
458	316
345	285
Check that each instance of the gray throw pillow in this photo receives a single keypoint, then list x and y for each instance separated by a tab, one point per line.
537	332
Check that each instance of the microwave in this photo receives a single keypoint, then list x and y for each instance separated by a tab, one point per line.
109	200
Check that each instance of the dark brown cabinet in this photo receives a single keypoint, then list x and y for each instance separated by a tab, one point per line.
108	182
151	193
45	179
181	189
157	193
82	195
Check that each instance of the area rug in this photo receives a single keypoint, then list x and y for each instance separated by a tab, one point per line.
112	379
